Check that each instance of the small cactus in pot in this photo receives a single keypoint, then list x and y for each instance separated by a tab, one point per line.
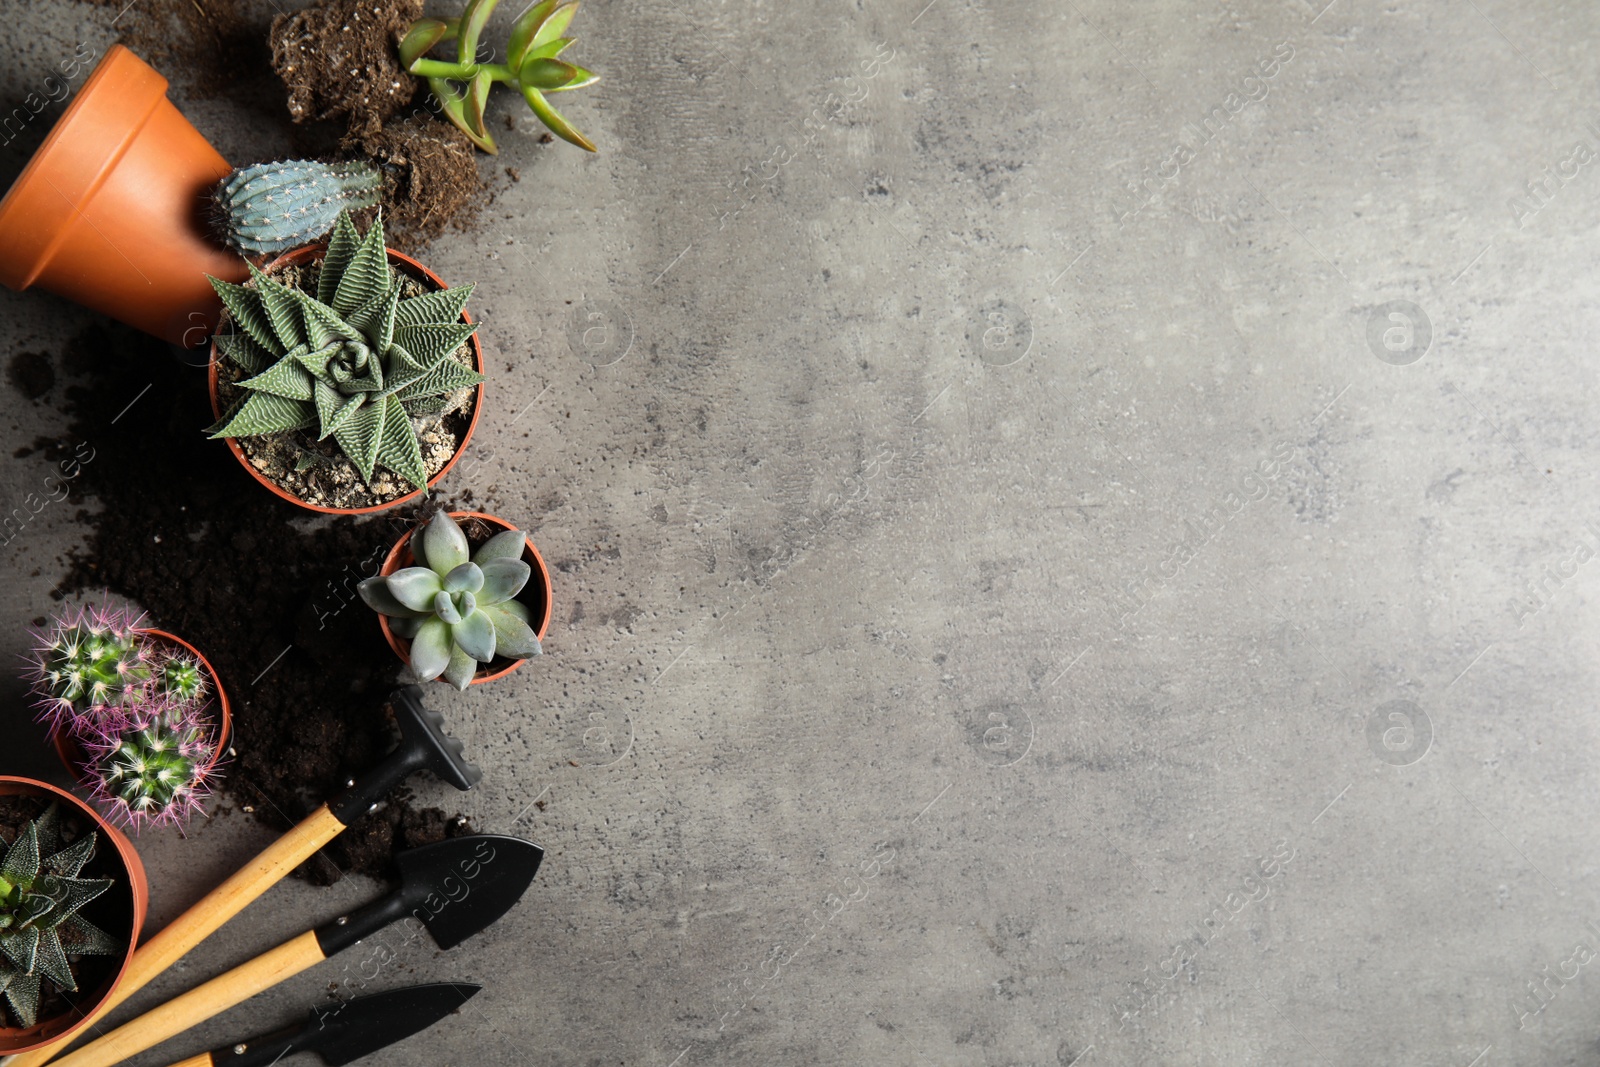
457	607
92	661
136	725
355	361
269	208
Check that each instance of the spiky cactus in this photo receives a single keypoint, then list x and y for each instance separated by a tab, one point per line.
457	611
272	207
181	679
355	361
88	660
149	766
39	921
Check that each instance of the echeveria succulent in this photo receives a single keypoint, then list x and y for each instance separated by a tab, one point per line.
40	894
457	607
355	361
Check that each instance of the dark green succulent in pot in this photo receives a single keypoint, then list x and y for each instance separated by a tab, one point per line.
40	895
356	361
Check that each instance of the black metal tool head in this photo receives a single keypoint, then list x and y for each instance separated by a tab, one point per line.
345	1032
364	1025
422	731
455	888
424	746
467	883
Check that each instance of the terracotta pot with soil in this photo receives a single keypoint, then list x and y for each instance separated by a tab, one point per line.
536	595
119	911
75	758
315	474
108	213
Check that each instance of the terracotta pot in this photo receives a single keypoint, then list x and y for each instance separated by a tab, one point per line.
108	213
537	594
73	755
21	1039
406	265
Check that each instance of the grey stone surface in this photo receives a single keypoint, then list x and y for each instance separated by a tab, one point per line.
1001	487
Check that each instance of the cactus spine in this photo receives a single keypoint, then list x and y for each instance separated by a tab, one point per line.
150	768
272	207
88	660
182	680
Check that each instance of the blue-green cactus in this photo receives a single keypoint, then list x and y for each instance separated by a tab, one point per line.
272	207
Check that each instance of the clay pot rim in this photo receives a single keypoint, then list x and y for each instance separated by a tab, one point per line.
40	1033
391	563
127	73
306	253
65	743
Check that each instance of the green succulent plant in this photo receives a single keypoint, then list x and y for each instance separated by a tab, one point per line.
457	611
39	920
356	361
531	65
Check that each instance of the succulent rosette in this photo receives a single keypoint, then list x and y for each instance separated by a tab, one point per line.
457	607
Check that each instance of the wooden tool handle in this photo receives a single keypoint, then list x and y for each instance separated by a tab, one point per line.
202	1060
199	1004
203	919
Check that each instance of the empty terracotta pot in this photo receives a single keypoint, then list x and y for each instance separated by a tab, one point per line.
130	877
109	212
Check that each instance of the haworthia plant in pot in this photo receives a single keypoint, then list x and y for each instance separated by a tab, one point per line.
40	897
355	360
456	606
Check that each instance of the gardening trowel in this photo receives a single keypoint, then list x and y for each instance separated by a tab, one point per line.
423	746
340	1034
454	888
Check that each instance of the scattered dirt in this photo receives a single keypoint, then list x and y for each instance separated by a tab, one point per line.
109	911
339	61
268	597
430	178
318	471
210	47
31	374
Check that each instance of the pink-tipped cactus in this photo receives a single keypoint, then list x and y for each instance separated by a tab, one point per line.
87	662
148	764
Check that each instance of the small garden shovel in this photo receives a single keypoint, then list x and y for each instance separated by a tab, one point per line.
343	1033
423	746
454	888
